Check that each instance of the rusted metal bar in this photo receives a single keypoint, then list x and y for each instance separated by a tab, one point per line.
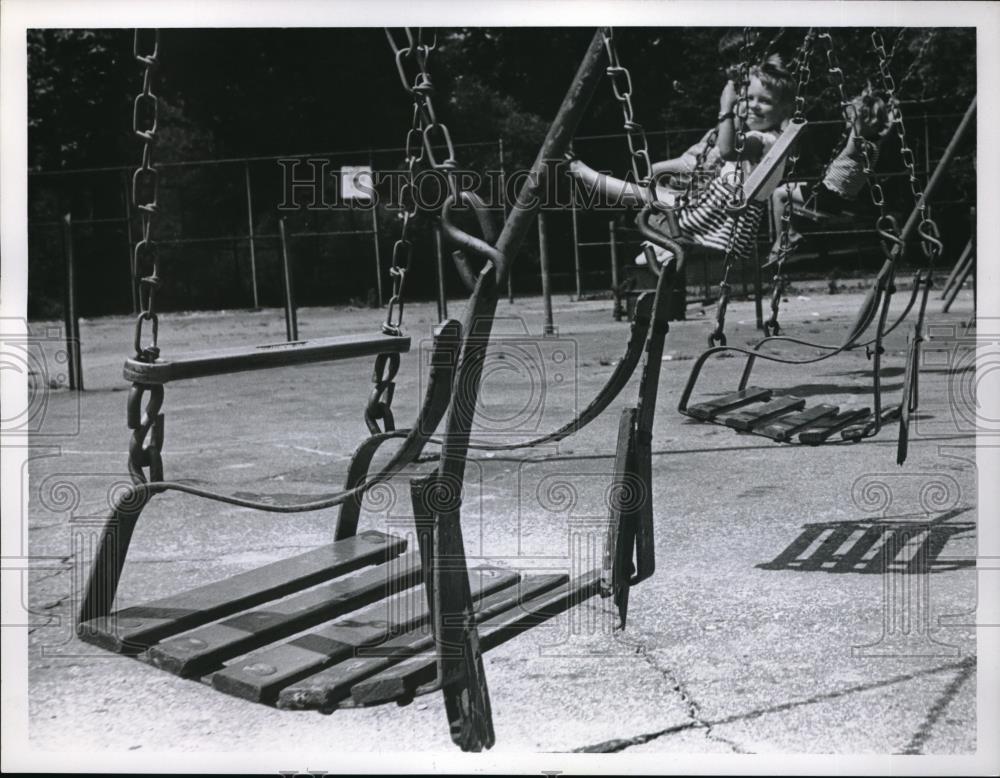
291	319
543	263
250	236
74	363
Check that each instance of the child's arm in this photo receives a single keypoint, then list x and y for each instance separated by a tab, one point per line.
726	142
753	144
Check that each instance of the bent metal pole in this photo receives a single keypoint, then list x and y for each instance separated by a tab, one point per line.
463	682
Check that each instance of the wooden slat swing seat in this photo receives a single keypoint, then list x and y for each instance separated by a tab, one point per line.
366	619
784	418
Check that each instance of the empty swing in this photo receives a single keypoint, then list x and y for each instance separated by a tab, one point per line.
237	634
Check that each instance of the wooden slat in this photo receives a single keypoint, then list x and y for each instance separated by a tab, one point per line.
242	358
404	679
821	430
208	647
747	419
328	687
858	431
261	675
756	185
708	410
133	629
784	428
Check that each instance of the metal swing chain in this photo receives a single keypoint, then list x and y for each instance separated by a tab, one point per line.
896	117
927	228
411	64
145	194
635	135
684	198
737	199
804	73
148	421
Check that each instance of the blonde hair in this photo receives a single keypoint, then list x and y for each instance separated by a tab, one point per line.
777	79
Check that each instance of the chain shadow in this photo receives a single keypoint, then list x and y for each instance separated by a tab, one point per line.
875	546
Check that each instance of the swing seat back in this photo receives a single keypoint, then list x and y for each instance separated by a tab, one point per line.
243	358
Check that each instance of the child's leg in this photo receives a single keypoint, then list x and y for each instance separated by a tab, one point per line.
610	190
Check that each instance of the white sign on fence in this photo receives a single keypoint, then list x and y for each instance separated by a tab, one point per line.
356	182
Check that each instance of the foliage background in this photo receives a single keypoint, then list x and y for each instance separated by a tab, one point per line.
233	93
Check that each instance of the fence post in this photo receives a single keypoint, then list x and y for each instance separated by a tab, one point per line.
253	255
133	287
616	311
74	363
442	300
291	322
503	202
543	261
378	252
576	245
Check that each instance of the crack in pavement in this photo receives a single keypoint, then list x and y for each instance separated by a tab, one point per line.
692	709
923	733
965	668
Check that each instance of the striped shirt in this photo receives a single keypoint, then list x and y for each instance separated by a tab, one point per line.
846	173
706	222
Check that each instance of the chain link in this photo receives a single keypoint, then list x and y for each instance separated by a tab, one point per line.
425	131
927	227
635	134
379	407
145	194
742	109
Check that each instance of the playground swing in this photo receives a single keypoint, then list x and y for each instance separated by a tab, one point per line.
221	633
759	411
810	209
658	220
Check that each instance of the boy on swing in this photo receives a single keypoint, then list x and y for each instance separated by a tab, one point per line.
769	105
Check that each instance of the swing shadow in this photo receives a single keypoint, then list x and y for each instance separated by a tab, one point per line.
887	372
813	390
875	546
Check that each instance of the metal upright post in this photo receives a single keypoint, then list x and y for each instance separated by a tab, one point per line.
442	300
616	311
74	363
758	299
253	255
503	202
378	252
133	287
291	320
543	261
576	246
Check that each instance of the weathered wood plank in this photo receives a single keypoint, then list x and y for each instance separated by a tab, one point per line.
207	648
747	419
759	183
259	676
328	687
134	629
784	428
404	679
858	431
822	429
243	358
708	410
